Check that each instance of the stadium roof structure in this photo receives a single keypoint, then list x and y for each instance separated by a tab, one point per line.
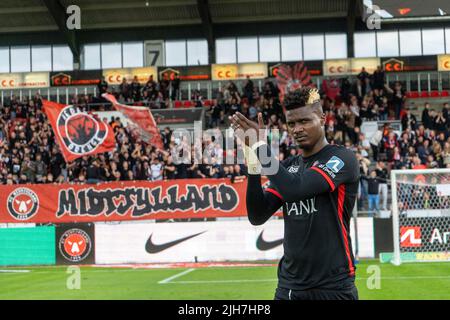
32	22
43	21
39	15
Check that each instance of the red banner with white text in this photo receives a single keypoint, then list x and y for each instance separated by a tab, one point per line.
118	201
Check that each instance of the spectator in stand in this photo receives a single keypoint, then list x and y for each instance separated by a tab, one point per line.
231	91
123	169
346	88
382	174
390	142
380	108
427	121
398	98
378	78
331	88
164	86
102	87
166	136
417	164
373	186
423	149
363	145
135	88
197	98
150	86
248	89
140	173
269	90
93	172
215	115
358	89
169	169
40	168
340	124
28	170
124	88
367	87
227	172
351	118
446	114
364	164
363	75
238	175
235	106
409	120
156	170
175	84
446	155
440	123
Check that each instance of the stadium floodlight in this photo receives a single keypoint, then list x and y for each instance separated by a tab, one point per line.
421	215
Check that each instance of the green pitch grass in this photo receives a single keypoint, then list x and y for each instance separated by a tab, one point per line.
408	281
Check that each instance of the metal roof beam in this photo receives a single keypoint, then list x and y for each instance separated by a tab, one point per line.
205	15
137	5
351	20
28	29
58	12
136	24
283	17
33	9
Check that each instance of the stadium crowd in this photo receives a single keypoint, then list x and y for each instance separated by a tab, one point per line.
29	153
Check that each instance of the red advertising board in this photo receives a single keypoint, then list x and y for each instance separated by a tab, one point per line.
118	201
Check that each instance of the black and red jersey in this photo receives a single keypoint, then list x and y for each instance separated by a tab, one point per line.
321	192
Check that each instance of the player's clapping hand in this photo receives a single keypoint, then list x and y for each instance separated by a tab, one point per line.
247	130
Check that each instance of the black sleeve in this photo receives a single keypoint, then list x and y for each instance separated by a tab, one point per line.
325	176
261	205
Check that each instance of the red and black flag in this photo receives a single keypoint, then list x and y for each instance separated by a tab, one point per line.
142	124
78	133
291	78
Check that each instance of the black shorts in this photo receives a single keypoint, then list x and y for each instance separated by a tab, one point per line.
316	294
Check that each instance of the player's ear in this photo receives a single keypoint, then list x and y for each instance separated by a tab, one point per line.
322	119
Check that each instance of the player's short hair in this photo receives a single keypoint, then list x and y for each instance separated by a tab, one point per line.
301	97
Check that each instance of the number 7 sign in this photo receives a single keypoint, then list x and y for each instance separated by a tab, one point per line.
154	53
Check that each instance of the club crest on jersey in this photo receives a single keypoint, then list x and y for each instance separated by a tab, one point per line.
80	132
293	169
335	164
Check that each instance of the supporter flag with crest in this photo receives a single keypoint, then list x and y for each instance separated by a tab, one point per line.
78	133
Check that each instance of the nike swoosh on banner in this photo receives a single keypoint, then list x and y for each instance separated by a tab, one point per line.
264	245
150	247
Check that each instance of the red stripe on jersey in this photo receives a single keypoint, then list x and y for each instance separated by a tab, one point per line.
275	192
341	197
330	182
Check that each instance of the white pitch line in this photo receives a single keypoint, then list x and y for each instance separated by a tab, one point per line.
225	281
14	271
167	280
272	280
406	278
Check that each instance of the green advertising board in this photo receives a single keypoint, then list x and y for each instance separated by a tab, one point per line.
27	246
